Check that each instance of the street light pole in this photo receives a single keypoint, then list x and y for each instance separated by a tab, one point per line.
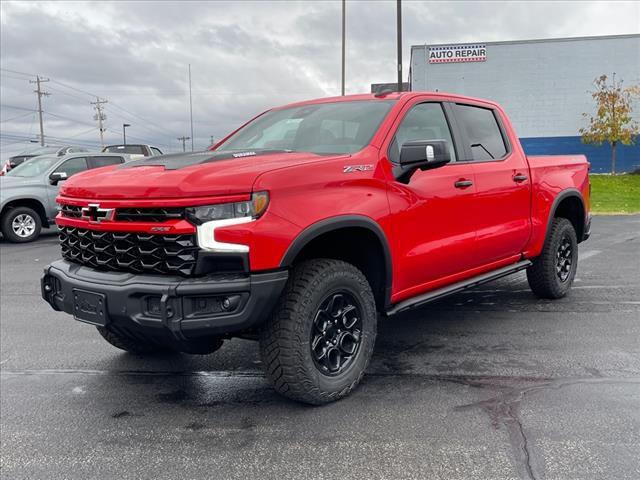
399	30
124	132
344	8
190	109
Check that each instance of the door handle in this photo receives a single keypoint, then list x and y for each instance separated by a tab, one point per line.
463	183
519	177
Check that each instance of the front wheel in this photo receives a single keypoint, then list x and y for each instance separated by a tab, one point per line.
21	224
552	273
319	340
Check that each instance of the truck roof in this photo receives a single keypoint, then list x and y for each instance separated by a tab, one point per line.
388	96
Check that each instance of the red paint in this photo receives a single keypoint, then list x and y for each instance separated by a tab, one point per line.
437	234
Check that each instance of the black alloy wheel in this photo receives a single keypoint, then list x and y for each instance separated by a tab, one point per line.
564	259
336	334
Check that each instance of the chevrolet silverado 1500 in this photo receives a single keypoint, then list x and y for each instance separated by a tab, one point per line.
304	225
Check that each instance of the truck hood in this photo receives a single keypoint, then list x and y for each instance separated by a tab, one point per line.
9	181
181	175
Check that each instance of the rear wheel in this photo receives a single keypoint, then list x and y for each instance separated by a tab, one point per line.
320	338
21	224
552	273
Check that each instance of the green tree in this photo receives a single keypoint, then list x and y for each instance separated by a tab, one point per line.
612	122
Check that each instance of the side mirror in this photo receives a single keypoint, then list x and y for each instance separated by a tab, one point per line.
423	155
56	177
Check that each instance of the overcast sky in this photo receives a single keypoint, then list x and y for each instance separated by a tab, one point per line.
245	57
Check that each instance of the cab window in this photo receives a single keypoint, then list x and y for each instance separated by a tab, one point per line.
425	121
103	161
73	166
482	132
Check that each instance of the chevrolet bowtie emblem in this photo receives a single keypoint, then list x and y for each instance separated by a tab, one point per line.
94	213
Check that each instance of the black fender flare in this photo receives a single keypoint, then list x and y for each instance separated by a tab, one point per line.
563	195
335	223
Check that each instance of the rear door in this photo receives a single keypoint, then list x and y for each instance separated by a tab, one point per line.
432	225
502	199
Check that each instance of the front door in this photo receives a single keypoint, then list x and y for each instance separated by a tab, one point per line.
70	167
433	228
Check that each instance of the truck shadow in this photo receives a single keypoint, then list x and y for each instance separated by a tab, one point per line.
466	334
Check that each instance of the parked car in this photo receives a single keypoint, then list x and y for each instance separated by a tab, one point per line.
310	221
47	150
134	150
28	192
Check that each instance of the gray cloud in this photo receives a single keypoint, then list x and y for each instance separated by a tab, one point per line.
245	56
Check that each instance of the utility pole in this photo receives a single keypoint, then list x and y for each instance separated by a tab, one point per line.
399	30
190	109
40	93
344	24
211	140
99	116
184	143
124	132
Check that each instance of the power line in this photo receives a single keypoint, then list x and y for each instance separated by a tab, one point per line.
62	117
161	129
16	117
19	73
5	105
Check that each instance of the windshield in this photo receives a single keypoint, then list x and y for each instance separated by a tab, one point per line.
33	167
41	151
133	149
324	128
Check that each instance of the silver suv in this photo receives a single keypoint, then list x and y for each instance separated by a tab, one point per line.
28	192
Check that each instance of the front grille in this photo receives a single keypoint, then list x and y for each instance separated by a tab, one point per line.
71	211
148	214
154	215
130	252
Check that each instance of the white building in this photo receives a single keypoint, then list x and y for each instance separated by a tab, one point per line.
543	85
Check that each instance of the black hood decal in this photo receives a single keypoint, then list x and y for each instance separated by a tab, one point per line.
176	161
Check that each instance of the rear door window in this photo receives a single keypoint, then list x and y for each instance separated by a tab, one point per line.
482	132
103	161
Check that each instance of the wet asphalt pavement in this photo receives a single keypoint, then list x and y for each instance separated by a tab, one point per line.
487	384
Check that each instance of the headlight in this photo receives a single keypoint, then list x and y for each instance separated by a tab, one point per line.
253	208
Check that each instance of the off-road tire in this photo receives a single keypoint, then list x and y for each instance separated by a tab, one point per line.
7	220
542	275
130	344
285	340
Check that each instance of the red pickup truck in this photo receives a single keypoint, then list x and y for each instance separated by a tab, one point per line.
309	221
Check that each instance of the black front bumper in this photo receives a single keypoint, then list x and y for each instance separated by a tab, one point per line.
167	306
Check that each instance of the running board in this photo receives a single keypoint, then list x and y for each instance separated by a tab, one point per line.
457	287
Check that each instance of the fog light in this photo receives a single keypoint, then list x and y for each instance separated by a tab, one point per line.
226	303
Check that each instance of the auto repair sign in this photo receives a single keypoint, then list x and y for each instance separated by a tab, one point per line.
458	53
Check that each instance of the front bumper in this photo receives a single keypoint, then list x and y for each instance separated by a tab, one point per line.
176	308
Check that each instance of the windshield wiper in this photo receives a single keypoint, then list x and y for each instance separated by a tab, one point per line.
482	147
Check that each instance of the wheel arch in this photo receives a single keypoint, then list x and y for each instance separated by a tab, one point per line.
364	236
569	204
32	203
